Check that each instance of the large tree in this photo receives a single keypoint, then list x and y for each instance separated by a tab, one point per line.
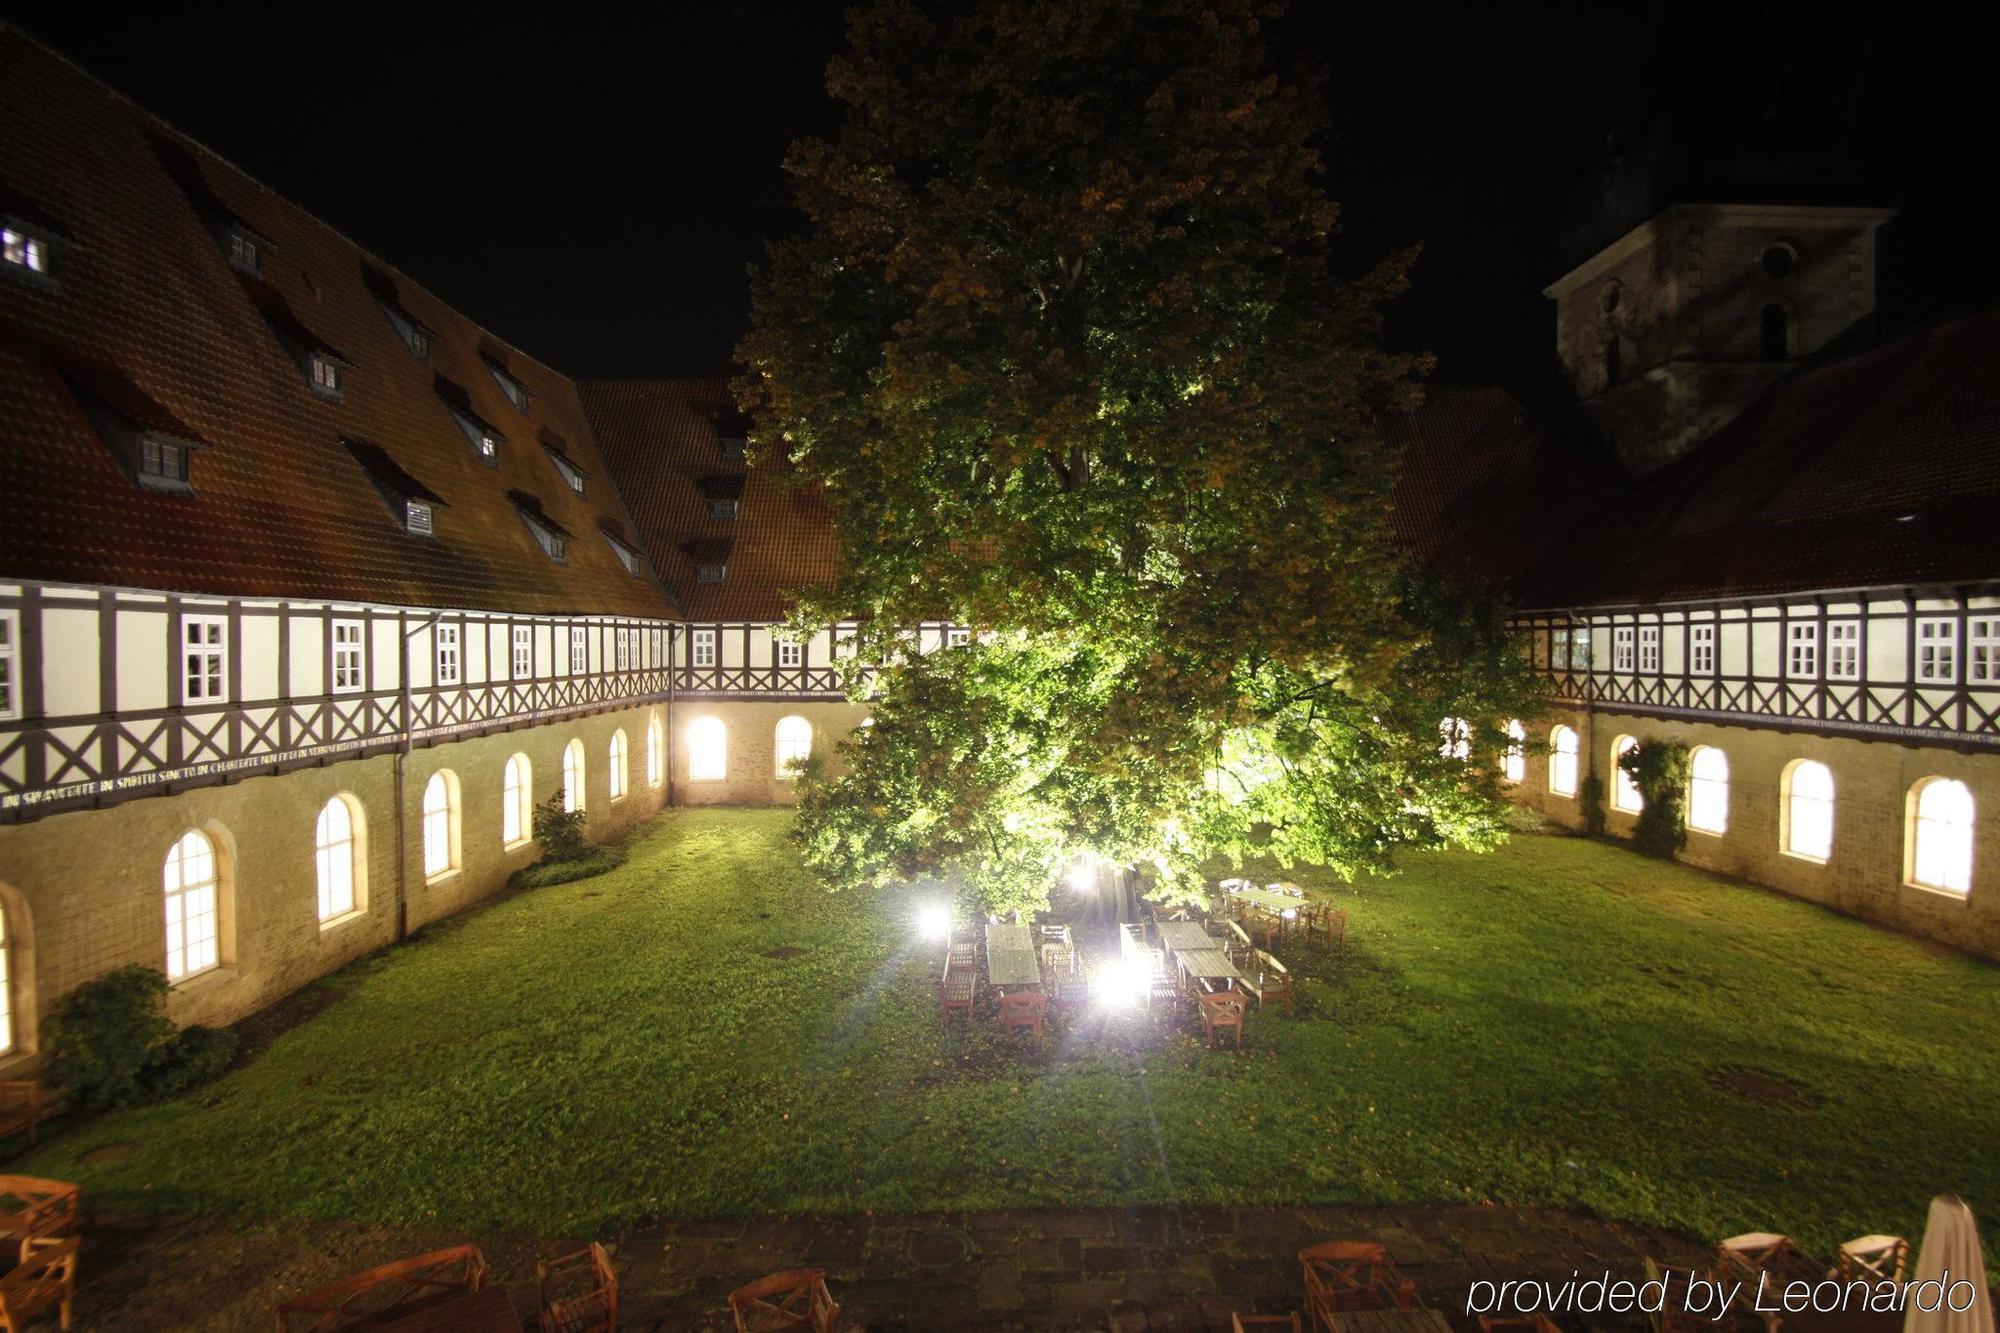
1067	346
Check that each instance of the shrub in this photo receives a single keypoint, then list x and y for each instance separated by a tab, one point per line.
559	831
102	1034
191	1057
1660	770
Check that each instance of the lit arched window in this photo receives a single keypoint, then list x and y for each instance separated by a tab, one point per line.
618	775
656	754
6	986
1708	790
441	824
517	801
573	776
1514	763
1625	793
795	745
1455	738
337	841
1940	837
708	749
1808	810
1562	762
194	926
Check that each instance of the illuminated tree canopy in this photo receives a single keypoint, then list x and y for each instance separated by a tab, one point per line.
1067	344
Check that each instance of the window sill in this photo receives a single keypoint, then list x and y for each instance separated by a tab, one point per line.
200	981
344	919
1949	895
442	876
1562	795
1801	856
1709	832
708	779
517	844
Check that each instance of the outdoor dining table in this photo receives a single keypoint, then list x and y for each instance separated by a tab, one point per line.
1211	965
487	1310
1176	936
1268	899
1010	957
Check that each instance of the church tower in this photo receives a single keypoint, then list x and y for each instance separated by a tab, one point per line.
1718	248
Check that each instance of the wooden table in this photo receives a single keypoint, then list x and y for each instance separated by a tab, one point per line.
1010	957
1177	936
1390	1321
484	1311
1207	965
1278	903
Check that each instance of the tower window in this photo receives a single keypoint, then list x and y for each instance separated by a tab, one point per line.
1774	335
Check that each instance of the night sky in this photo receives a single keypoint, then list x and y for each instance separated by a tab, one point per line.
591	187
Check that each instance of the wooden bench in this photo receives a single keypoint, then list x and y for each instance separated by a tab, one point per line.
390	1291
33	1209
24	1104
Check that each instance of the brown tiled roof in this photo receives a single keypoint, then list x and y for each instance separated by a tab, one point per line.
662	441
1477	479
281	506
1880	468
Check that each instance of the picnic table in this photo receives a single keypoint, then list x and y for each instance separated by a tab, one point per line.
1211	965
487	1310
1269	899
1010	956
1176	936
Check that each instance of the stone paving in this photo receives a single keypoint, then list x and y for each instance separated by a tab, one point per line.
1105	1269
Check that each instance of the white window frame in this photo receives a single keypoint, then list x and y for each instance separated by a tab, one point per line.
523	652
656	756
1514	759
1563	762
193	907
440	822
708	749
1802	649
957	637
350	656
1626	798
1941	851
791	653
1649	649
1982	650
325	374
1937	650
517	801
624	641
337	860
620	775
450	655
1622	656
1793	803
1701	649
1843	649
701	647
10	664
575	770
579	651
1708	793
204	659
791	751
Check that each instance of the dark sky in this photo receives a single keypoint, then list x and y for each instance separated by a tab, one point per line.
591	185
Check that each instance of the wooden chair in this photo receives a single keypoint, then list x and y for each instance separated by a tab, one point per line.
1673	1315
388	1291
1285	1323
1747	1258
962	952
1223	1011
1070	991
1057	958
796	1299
1048	934
34	1209
1023	1009
1873	1257
1273	981
44	1280
1332	929
578	1292
1342	1275
956	989
24	1104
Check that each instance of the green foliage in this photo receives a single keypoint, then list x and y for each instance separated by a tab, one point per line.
1066	346
629	1048
1660	770
547	872
560	831
111	1043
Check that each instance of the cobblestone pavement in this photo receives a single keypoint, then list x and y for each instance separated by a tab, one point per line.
1112	1269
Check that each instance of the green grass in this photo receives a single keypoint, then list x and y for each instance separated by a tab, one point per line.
1538	1025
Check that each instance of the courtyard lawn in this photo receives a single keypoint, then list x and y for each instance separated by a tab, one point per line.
1558	1023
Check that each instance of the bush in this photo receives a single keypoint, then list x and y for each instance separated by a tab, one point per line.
560	831
1660	771
542	874
112	1044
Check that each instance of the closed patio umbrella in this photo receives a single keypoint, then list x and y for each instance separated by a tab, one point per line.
1951	1245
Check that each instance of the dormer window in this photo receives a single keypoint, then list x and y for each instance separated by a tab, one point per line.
325	373
710	572
710	558
163	464
244	249
414	504
24	250
484	437
723	496
147	440
732	430
550	535
627	554
415	336
417	518
517	393
572	475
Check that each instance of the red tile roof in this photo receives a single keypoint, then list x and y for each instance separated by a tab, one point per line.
1880	468
662	442
146	308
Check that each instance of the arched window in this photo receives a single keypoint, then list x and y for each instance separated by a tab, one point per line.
708	749
1940	835
6	986
517	801
441	848
573	776
1625	793
619	775
1708	790
656	754
337	842
1774	334
1514	763
1808	810
1455	738
194	925
795	745
1562	762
